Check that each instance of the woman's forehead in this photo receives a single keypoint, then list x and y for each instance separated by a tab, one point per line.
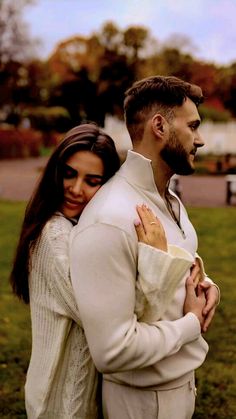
85	161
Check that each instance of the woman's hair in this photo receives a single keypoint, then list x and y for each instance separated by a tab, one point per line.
156	94
48	195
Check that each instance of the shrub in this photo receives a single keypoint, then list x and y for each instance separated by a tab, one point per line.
19	142
55	118
207	112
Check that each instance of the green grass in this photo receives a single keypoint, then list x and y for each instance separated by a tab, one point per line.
216	381
15	333
216	228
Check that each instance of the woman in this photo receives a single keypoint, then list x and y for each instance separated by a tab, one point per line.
61	379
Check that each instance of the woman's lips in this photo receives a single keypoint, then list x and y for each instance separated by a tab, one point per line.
72	204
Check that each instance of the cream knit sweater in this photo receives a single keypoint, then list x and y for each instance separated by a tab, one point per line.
61	379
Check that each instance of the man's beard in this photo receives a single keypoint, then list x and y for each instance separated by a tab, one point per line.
176	157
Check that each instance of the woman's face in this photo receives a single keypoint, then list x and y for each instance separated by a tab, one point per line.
82	177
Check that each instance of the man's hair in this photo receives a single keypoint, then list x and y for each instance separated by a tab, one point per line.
156	94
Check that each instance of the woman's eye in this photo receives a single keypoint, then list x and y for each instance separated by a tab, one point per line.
94	182
69	173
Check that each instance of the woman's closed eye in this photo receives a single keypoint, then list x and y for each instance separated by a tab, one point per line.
94	181
69	172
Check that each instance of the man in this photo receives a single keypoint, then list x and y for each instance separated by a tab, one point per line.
148	368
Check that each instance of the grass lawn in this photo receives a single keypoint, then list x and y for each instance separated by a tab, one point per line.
216	382
216	228
14	325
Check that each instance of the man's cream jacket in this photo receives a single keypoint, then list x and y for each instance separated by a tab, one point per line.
103	262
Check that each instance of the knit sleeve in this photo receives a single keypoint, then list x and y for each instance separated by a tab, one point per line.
159	274
57	232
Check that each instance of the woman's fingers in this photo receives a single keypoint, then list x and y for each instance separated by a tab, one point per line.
195	274
151	230
140	231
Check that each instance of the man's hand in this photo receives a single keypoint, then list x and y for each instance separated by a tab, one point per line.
212	299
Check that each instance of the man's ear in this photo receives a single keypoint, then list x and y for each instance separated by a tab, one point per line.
158	125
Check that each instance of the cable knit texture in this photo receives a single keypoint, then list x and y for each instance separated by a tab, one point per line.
61	379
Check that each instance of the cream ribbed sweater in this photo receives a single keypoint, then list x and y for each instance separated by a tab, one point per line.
61	379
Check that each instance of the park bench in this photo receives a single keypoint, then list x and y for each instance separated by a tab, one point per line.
230	187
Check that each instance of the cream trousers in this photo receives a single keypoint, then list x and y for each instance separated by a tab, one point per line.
123	402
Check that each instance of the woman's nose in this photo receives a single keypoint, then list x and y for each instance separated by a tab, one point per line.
77	187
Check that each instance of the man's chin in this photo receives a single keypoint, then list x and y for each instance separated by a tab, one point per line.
185	171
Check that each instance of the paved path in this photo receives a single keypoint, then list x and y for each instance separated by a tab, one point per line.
18	178
203	191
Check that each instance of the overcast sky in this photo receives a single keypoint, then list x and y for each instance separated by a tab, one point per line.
210	24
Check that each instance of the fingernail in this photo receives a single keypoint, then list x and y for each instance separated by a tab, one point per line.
137	223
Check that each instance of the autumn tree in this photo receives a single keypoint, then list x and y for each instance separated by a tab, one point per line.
16	49
74	72
226	87
15	41
135	41
110	37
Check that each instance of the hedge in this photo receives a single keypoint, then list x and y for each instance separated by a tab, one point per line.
19	142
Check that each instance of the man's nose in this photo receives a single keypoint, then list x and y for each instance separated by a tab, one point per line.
198	140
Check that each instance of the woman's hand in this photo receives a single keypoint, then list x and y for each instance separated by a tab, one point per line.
212	300
194	302
149	229
211	293
196	272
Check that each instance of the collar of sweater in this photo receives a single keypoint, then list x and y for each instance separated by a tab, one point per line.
138	171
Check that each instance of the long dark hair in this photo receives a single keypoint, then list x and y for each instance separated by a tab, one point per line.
48	194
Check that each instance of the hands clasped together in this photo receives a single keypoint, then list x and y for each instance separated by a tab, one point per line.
202	296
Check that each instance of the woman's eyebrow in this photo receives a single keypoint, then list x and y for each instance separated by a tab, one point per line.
89	175
67	166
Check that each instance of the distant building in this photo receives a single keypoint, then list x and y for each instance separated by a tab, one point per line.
220	138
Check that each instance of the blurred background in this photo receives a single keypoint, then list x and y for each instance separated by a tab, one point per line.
63	62
66	61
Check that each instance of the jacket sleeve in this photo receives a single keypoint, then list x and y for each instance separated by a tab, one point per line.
103	274
159	274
